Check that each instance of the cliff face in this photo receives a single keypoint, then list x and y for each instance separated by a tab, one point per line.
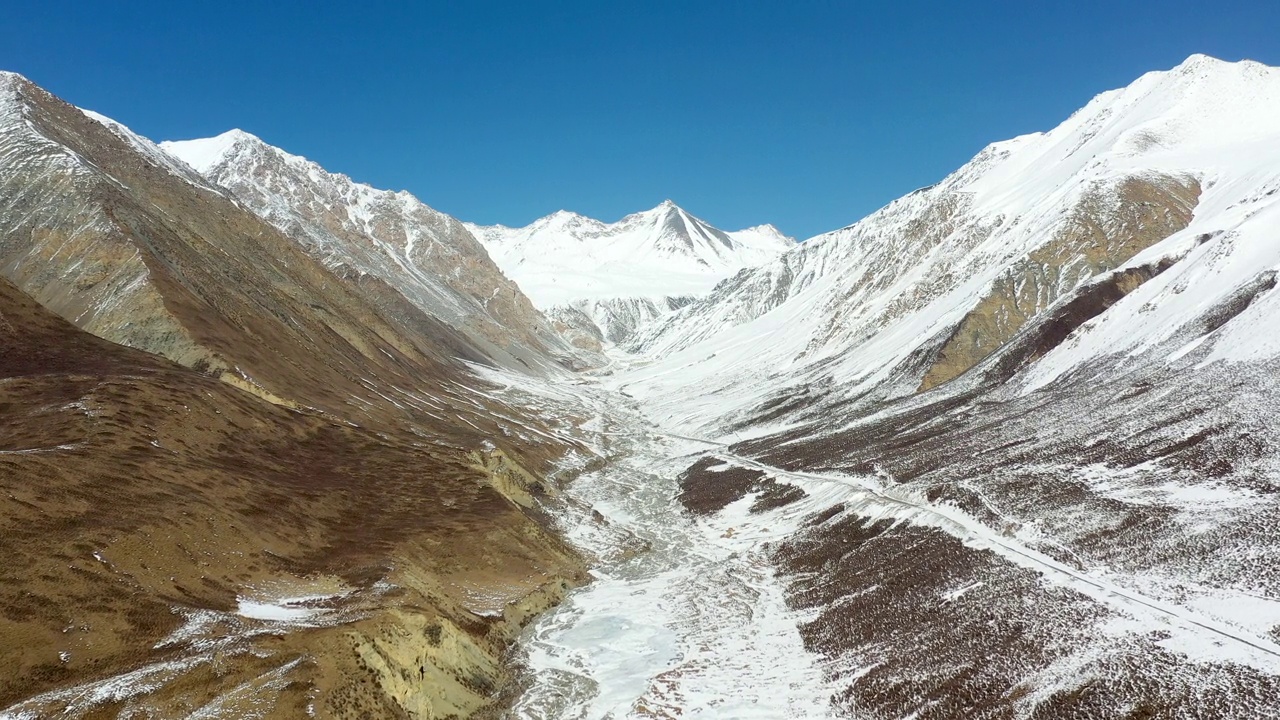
1107	228
277	506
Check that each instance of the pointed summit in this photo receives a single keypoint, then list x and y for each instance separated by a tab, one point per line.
662	252
765	237
8	78
205	153
669	207
1199	60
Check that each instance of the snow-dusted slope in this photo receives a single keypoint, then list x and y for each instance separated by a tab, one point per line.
392	238
623	275
928	286
1033	411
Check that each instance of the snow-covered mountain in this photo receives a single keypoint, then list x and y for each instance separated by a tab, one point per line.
623	275
928	286
379	236
1027	413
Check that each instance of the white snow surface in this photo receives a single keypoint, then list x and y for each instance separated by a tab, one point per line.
203	154
566	258
279	609
685	617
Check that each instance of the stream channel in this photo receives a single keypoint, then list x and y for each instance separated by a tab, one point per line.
684	617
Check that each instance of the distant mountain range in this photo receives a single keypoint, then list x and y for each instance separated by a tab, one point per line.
607	280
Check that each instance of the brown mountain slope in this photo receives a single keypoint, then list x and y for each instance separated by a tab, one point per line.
1100	237
314	435
426	255
143	501
135	248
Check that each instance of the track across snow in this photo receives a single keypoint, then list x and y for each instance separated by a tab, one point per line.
1256	651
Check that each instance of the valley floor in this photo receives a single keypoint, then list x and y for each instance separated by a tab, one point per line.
685	617
740	609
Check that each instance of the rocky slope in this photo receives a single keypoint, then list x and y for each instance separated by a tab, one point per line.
1027	415
299	497
621	276
389	238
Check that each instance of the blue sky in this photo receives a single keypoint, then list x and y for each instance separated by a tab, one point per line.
805	114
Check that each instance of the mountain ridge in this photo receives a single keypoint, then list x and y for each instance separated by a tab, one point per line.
610	279
427	256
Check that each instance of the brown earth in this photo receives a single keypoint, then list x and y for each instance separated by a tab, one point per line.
710	485
138	493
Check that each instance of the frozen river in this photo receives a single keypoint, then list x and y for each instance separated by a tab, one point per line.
685	618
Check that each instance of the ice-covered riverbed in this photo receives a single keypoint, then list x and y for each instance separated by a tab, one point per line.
693	626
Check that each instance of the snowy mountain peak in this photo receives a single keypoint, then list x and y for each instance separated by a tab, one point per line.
566	221
656	253
1203	79
624	274
1196	61
1200	70
766	235
666	208
677	232
204	154
1205	116
11	88
767	228
1199	62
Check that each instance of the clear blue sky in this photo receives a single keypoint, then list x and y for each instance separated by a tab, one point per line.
805	114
